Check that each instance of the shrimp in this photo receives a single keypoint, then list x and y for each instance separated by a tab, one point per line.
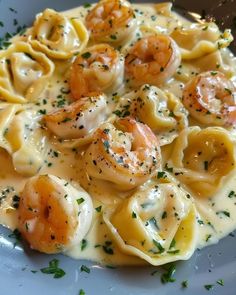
99	68
152	60
111	21
53	215
211	99
127	156
78	119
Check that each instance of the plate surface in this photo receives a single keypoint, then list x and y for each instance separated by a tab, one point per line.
20	269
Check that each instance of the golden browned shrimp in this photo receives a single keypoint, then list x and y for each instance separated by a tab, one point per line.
127	156
153	60
211	99
111	21
78	119
53	215
99	68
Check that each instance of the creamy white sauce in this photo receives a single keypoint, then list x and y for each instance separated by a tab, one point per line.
69	166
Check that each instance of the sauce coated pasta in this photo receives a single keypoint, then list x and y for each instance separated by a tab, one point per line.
118	134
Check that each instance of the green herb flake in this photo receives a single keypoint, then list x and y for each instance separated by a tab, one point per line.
173	243
161	174
167	277
223	212
118	113
134	215
208	287
164	215
113	37
83	244
232	194
107	248
220	282
86	55
53	269
159	246
98	209
87	5
206	165
80	201
84	268
81	292
184	284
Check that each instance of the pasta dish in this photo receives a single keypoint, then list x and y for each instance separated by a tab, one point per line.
117	134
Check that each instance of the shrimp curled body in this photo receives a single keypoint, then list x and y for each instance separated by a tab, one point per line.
127	156
111	21
53	215
78	119
152	60
211	99
99	68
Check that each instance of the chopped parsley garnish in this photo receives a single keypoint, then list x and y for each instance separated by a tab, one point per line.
173	243
113	37
84	268
118	113
42	112
164	215
159	246
80	201
167	277
83	244
161	174
223	212
208	287
81	292
134	215
87	5
184	284
98	209
206	165
53	269
232	194
86	54
107	248
220	282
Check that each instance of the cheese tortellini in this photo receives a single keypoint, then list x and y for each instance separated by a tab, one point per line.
157	223
166	114
200	39
57	36
201	158
24	73
21	138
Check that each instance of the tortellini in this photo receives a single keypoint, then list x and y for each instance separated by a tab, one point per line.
215	61
20	137
157	223
166	114
24	73
57	36
201	158
200	39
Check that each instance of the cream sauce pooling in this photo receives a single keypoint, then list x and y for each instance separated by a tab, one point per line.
66	163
